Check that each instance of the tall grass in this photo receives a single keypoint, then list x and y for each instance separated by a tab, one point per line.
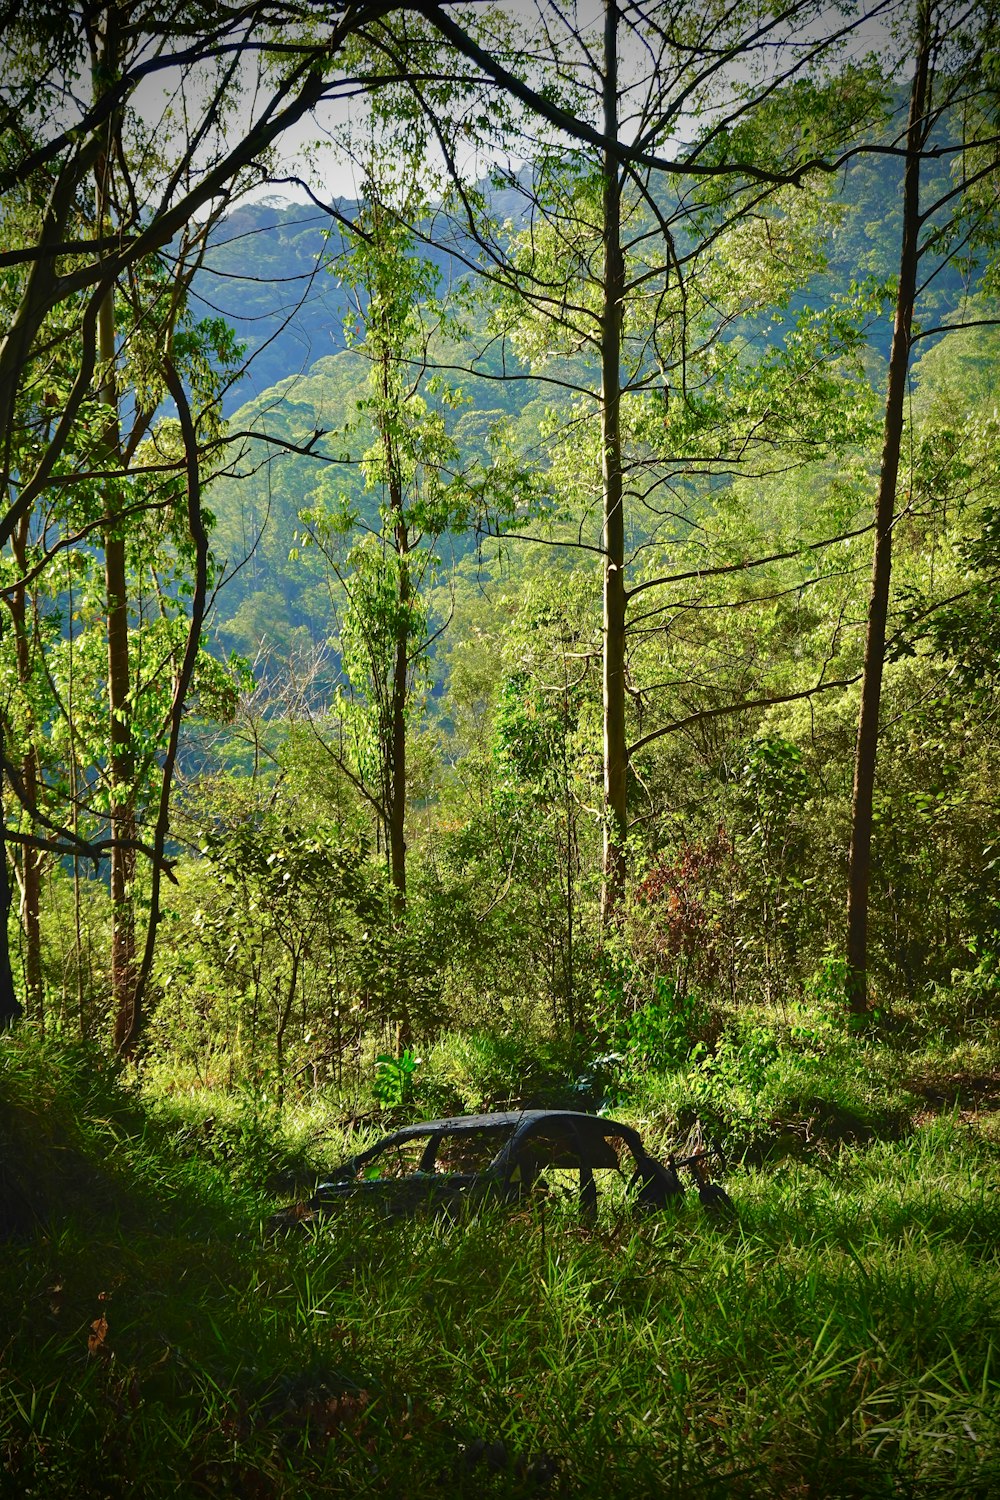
839	1339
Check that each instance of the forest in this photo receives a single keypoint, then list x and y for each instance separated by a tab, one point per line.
499	610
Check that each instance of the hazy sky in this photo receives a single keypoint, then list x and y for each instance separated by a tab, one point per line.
337	178
330	174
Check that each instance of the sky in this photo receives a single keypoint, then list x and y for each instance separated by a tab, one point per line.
307	151
331	174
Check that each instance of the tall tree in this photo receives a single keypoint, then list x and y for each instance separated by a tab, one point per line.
631	276
951	49
106	57
383	557
11	1009
29	864
612	483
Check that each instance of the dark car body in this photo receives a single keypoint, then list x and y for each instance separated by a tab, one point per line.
452	1164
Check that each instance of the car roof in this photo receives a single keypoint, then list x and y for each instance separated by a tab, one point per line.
523	1121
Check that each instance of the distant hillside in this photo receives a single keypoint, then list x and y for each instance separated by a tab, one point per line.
267	274
284	602
271	272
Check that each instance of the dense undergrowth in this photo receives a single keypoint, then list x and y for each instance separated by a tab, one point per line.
838	1339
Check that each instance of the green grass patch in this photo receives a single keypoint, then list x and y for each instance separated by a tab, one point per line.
838	1339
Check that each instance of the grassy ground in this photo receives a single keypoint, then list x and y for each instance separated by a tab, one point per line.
839	1339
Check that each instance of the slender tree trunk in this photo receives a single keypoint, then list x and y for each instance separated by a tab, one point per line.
31	905
74	798
182	686
283	1019
30	860
121	759
395	779
396	800
122	770
11	1009
859	862
570	976
615	750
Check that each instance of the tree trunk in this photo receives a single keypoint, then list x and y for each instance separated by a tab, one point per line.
121	759
396	799
570	975
122	769
182	686
859	861
615	750
11	1009
394	790
397	779
283	1019
30	859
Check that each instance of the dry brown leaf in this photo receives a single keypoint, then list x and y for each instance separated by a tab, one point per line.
97	1336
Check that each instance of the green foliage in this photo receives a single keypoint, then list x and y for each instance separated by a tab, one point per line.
395	1079
276	949
826	987
968	1004
407	540
520	1066
660	1035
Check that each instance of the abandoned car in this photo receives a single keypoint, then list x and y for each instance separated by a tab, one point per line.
448	1165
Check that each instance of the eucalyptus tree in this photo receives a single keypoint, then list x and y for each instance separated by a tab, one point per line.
643	261
382	542
952	114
